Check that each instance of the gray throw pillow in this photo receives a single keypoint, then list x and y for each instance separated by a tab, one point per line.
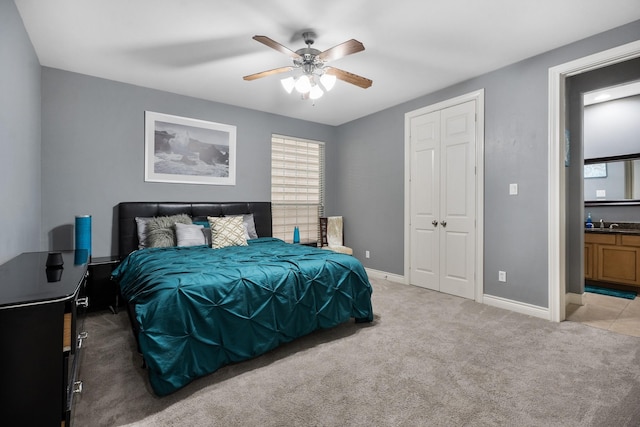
141	225
161	231
249	226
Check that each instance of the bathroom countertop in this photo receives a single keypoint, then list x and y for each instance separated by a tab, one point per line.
623	228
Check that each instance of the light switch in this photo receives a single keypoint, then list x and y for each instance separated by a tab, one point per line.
513	189
601	193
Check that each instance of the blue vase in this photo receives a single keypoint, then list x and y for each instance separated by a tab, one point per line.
83	233
296	235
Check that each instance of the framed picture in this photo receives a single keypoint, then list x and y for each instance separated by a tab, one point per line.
188	151
595	170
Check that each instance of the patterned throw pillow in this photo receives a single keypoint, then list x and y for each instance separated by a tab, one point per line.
227	231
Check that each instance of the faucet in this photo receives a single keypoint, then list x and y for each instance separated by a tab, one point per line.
611	227
601	224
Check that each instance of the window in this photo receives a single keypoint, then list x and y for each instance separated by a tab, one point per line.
297	187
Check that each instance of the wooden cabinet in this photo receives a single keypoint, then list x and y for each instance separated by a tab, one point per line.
588	260
41	330
612	257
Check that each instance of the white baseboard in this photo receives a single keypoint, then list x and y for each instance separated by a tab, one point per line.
377	274
571	298
518	307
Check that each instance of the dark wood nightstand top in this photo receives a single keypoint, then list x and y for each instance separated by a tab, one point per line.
112	259
27	280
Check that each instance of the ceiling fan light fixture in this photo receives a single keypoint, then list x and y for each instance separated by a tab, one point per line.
303	85
288	84
315	92
328	81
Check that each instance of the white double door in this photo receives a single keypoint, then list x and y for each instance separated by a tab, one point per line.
443	200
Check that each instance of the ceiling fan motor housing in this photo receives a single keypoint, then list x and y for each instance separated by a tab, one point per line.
308	58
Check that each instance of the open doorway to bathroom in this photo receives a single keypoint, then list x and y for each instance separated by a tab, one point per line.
600	150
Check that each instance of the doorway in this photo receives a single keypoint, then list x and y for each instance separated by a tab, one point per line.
559	221
607	132
443	235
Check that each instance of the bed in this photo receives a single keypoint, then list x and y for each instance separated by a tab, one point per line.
194	309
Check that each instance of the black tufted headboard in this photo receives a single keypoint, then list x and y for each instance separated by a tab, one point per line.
199	211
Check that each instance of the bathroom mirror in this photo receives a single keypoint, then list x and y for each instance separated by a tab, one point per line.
612	182
611	125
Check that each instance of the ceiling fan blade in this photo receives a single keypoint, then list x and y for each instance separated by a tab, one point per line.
267	73
343	49
348	77
277	46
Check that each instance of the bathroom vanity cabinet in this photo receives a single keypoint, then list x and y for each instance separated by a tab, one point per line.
612	257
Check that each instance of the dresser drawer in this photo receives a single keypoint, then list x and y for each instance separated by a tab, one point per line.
73	354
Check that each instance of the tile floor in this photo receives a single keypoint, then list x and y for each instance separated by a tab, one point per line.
605	312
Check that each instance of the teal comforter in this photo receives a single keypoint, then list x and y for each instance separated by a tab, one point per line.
200	308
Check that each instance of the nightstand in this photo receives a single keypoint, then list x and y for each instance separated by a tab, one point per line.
102	291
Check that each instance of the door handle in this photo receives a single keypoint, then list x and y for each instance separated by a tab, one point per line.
444	223
435	223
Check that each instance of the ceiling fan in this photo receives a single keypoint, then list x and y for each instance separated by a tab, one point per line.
312	63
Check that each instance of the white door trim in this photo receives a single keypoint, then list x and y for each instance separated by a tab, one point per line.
557	186
478	97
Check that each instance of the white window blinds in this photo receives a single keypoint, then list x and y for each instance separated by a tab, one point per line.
297	187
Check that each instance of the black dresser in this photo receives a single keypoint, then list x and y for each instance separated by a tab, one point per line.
41	333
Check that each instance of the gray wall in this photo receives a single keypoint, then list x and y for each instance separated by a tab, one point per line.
612	128
19	137
367	188
371	171
93	152
612	214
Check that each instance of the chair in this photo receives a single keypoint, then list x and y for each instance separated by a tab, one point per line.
332	236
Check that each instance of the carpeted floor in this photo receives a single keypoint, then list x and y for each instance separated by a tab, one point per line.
428	359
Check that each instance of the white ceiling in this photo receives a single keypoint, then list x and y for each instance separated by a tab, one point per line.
202	48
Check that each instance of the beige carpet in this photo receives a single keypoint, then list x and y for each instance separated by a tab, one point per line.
428	359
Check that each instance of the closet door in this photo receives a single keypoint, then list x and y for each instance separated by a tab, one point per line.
443	185
458	200
425	200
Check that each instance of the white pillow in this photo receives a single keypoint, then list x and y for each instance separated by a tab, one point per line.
189	234
227	231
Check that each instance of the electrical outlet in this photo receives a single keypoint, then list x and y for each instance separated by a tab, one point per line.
502	276
367	254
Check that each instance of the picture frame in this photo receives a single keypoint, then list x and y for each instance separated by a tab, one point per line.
595	170
183	150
